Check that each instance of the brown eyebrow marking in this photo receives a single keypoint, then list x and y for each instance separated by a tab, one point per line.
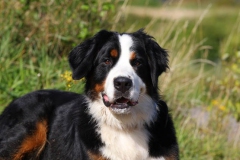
114	53
133	55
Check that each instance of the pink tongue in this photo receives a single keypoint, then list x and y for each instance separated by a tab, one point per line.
106	98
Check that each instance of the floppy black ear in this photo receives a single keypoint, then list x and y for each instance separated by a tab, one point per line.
158	58
81	57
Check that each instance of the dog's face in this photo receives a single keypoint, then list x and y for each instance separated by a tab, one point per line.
121	70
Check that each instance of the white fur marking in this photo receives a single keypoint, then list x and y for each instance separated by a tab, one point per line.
124	145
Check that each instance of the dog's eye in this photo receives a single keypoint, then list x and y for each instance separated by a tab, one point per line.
107	62
137	63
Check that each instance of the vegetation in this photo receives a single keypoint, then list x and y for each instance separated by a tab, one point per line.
202	86
36	37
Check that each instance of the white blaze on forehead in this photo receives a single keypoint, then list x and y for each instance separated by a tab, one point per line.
123	65
126	43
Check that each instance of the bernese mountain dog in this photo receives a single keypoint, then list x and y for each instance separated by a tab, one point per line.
119	117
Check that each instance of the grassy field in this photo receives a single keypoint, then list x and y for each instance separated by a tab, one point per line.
202	86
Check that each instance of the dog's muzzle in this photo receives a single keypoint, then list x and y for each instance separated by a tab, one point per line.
121	100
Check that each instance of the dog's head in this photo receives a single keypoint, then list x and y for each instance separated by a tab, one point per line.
121	70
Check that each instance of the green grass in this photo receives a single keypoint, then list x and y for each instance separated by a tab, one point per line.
22	73
151	3
36	38
203	142
204	63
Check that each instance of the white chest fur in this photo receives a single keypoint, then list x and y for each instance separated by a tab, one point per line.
124	145
124	136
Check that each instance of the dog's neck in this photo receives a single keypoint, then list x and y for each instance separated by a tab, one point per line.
142	114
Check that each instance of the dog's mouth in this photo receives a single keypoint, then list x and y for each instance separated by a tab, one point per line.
119	103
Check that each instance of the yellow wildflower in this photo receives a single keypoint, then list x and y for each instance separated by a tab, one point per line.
215	102
67	76
222	108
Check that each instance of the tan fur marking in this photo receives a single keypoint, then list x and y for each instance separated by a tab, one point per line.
133	55
114	53
94	156
171	156
99	87
34	142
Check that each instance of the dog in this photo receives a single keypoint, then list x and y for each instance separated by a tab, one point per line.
119	117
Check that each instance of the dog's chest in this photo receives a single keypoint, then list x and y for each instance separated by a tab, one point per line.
124	145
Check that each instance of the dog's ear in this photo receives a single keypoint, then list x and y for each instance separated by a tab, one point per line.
158	60
157	57
81	57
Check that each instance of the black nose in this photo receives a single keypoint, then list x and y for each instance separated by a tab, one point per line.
122	84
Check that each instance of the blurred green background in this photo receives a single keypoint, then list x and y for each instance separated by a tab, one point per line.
202	87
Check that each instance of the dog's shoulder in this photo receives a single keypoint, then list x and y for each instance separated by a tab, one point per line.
163	139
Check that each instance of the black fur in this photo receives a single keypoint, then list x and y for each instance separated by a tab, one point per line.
71	130
157	56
